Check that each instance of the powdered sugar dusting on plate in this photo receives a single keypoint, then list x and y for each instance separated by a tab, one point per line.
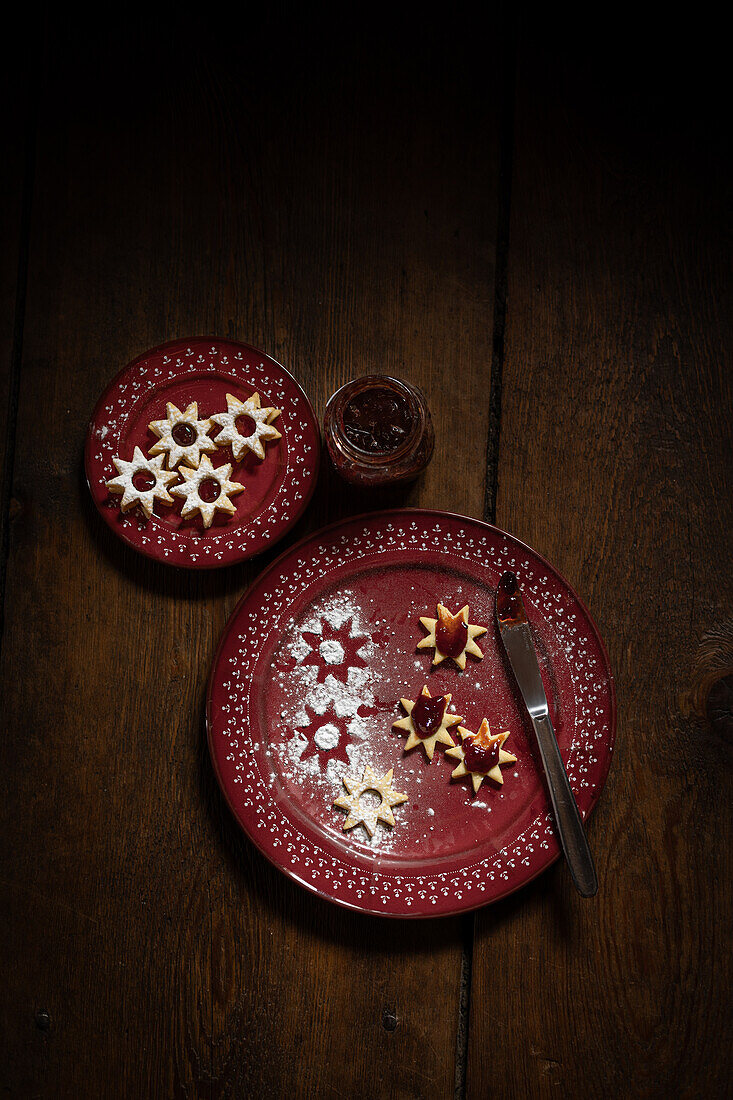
337	694
373	578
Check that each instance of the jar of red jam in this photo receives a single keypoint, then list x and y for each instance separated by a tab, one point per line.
378	431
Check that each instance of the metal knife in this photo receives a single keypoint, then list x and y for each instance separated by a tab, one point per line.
517	639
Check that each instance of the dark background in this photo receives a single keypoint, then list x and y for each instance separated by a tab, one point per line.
525	216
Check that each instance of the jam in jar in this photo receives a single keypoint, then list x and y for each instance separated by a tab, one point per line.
378	431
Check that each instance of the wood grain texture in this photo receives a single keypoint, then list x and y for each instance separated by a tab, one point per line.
334	203
17	103
615	462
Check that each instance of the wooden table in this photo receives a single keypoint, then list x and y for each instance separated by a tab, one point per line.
531	231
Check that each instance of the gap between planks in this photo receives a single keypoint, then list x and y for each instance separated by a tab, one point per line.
506	147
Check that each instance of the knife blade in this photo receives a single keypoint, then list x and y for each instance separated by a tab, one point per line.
517	638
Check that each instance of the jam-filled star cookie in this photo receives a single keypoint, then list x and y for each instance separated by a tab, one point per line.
232	432
452	636
142	481
480	755
206	490
427	722
369	816
182	436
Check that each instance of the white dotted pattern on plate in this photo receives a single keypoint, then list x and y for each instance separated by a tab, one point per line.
304	857
298	466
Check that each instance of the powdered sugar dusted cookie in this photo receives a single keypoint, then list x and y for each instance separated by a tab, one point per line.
452	636
207	490
182	436
369	816
142	481
427	722
480	755
233	431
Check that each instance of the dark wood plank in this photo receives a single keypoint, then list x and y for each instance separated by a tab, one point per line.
615	462
18	112
333	202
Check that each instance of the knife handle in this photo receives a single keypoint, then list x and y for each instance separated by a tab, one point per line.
569	825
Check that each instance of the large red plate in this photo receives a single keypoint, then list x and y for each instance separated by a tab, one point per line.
362	585
203	369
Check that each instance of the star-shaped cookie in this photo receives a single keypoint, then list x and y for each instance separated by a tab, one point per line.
427	722
149	469
231	434
452	636
369	816
480	755
190	490
182	436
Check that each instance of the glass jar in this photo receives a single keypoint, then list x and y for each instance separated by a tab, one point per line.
378	431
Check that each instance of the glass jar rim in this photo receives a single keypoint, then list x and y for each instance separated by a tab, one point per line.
338	402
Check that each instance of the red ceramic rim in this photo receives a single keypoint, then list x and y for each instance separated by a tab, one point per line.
204	369
365	582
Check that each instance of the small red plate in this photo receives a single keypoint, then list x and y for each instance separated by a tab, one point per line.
277	489
308	677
